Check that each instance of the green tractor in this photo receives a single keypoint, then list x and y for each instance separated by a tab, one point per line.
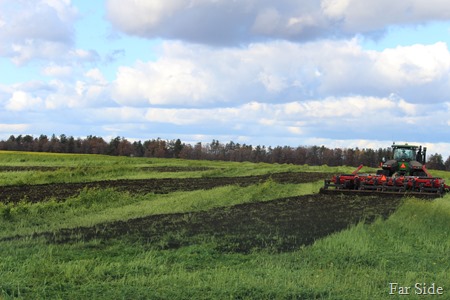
407	160
405	172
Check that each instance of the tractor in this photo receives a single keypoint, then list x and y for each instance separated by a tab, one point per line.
407	160
404	173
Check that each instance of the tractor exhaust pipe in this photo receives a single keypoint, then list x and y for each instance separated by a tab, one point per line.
424	155
421	155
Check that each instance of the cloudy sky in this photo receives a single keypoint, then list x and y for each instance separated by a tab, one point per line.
339	73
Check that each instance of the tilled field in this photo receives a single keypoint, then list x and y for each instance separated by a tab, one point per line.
60	191
27	168
280	225
152	169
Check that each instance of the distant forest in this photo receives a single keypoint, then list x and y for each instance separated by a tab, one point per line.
231	151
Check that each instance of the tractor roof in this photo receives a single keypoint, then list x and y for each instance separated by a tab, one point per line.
404	146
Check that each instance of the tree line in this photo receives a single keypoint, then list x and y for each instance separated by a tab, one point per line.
231	151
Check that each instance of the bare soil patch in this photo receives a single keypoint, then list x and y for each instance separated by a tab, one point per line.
27	168
176	169
61	191
280	225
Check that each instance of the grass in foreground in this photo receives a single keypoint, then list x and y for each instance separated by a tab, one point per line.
412	246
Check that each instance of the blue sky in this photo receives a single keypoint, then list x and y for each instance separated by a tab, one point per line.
339	73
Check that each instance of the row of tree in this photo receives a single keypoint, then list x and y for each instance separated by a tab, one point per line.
310	155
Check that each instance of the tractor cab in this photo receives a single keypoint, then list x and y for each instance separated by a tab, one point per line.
406	160
404	153
409	153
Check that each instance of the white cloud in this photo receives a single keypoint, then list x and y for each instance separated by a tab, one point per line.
96	76
197	116
65	11
222	22
194	75
24	51
41	29
335	9
13	128
90	90
267	21
36	29
138	15
284	76
272	83
21	101
328	89
358	121
365	120
295	130
226	22
348	107
416	64
300	117
354	16
57	71
408	108
83	55
167	81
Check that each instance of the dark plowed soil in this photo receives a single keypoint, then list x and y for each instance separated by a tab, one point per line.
26	168
151	169
280	225
61	191
176	169
363	193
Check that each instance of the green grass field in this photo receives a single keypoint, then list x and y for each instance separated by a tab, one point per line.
82	168
411	246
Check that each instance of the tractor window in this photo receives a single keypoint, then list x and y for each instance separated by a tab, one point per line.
406	154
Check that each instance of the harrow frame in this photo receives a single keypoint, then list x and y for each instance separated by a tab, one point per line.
379	183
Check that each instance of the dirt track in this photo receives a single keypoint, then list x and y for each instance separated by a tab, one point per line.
25	168
151	169
280	225
60	191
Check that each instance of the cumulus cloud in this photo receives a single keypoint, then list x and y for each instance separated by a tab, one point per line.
281	71
57	71
7	128
217	22
23	101
164	82
35	29
368	16
287	79
416	64
84	55
223	22
282	89
90	90
332	118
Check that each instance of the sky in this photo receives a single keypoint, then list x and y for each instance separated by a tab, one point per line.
338	73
